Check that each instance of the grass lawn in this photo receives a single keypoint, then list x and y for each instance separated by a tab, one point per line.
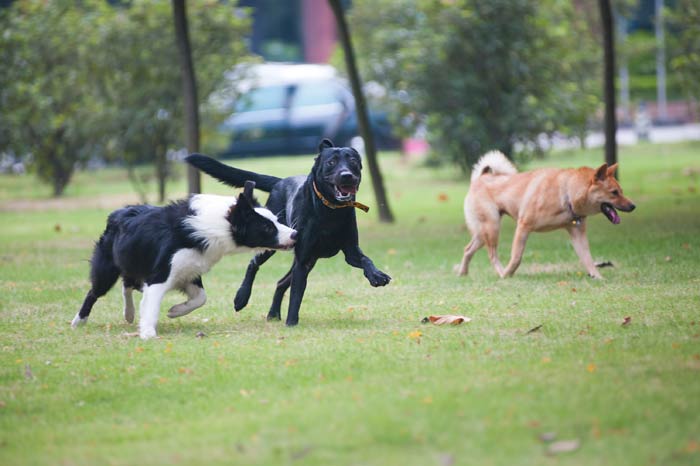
361	381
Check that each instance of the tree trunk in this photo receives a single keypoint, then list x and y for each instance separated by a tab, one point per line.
161	171
189	91
609	81
385	214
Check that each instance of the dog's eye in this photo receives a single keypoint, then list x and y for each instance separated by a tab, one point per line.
332	162
615	192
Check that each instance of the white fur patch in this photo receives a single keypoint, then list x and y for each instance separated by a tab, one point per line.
196	299
209	222
77	321
284	233
496	161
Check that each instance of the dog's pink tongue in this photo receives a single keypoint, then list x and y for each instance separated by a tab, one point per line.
345	190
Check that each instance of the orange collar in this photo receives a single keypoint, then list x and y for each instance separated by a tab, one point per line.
330	205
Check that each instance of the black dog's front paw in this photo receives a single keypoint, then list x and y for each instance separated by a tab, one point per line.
242	297
377	278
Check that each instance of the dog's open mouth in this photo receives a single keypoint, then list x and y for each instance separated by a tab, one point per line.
610	212
345	193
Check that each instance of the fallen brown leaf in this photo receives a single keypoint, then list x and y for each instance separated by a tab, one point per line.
447	319
534	329
563	446
627	320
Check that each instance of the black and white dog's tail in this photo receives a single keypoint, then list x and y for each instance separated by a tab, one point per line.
229	175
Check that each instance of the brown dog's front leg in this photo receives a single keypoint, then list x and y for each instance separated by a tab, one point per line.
516	253
580	243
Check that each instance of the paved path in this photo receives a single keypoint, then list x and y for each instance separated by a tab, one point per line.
628	136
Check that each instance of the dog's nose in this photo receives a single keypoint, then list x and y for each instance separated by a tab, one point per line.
347	177
632	207
293	235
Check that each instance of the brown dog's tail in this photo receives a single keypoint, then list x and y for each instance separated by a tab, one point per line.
494	162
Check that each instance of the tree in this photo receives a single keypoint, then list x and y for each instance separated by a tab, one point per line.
385	214
189	90
89	79
47	93
609	81
481	75
685	19
142	85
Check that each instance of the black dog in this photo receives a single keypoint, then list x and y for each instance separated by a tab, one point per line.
157	249
320	206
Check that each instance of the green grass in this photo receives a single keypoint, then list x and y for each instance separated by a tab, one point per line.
355	383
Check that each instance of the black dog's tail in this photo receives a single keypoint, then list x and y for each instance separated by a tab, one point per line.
230	175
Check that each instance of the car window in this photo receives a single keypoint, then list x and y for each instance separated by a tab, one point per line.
262	98
319	93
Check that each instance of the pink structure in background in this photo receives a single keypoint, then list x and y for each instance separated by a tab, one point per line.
318	26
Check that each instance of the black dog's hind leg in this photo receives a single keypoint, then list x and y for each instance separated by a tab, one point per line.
300	273
355	257
282	287
243	293
103	274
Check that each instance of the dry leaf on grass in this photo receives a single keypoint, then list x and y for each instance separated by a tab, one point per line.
626	321
446	319
563	446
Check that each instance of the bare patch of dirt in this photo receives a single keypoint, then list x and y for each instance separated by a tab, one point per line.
70	203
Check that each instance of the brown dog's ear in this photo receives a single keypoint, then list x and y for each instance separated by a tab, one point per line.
602	172
611	170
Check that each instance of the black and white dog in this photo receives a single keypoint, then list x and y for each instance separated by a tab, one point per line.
157	249
320	206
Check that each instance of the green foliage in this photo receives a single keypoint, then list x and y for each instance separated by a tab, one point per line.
142	84
47	96
685	19
89	79
483	75
361	381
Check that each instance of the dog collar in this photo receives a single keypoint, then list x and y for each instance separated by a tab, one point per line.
330	205
576	219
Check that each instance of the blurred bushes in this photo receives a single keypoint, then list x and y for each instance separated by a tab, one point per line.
481	75
89	80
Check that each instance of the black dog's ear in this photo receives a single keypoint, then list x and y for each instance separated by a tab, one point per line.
325	144
354	151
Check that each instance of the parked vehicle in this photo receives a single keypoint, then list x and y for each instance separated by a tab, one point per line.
289	109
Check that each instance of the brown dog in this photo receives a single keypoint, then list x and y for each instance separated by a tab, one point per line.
538	200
